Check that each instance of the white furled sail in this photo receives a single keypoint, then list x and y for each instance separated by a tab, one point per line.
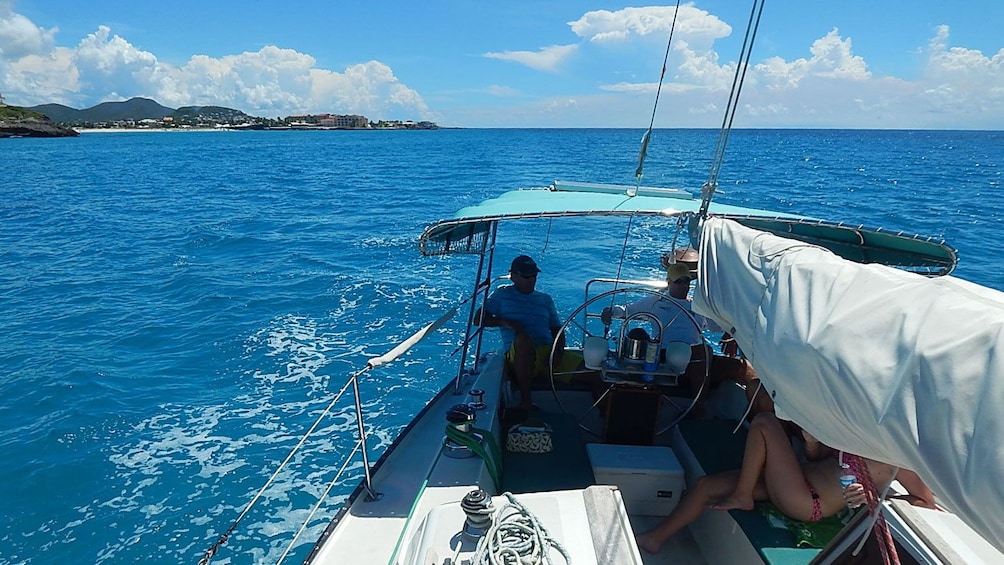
871	360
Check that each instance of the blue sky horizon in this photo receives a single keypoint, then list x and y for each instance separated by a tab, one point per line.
855	64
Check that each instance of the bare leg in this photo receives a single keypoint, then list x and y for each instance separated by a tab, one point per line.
690	508
524	359
768	461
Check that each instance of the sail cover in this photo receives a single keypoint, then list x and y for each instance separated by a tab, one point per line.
871	360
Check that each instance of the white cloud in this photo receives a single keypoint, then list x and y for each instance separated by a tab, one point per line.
693	25
546	59
693	60
830	86
108	54
632	87
29	60
701	68
269	82
39	79
831	57
945	61
20	37
958	88
648	87
501	91
959	81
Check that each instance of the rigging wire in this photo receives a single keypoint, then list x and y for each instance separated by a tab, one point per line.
353	381
620	266
207	557
643	152
320	500
709	187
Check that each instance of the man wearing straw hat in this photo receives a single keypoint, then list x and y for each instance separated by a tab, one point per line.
669	308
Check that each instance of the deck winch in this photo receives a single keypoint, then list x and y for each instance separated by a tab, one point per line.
463	440
478	507
461	418
477	399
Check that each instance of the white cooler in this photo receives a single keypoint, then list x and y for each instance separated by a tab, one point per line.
650	478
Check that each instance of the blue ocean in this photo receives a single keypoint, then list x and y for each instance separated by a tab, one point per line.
179	307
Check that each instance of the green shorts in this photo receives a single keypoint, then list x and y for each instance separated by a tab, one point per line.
570	361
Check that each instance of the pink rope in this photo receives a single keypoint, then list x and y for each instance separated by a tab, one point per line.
886	544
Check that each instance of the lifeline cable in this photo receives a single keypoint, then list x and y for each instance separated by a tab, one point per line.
374	362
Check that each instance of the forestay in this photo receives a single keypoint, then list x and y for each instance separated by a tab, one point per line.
870	359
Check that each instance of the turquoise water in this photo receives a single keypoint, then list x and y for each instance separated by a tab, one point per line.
178	307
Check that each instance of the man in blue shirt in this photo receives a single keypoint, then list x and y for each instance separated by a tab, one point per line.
528	324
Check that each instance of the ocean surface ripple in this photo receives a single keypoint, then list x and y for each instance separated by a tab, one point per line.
179	307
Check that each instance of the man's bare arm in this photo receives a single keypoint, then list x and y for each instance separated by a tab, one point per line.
489	321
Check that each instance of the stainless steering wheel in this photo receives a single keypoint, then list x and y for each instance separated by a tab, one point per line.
581	416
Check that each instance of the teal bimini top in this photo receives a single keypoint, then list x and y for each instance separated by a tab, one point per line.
468	230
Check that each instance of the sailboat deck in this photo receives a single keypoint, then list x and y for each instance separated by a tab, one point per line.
568	466
419	512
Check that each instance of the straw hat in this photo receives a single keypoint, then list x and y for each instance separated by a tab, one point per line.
686	255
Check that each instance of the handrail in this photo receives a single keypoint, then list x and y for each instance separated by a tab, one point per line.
353	382
317	505
226	535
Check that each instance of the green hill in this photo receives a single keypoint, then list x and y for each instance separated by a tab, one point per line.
134	109
17	113
57	112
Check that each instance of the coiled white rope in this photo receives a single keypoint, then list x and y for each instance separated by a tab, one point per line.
516	537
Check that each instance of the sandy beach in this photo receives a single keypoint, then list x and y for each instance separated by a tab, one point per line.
145	130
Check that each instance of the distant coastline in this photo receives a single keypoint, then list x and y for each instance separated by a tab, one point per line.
238	129
145	114
144	130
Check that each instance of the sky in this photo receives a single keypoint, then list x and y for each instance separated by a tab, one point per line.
887	64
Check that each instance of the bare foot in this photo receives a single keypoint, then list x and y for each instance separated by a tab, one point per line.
732	503
648	543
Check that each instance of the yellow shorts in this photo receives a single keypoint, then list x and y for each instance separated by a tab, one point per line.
570	361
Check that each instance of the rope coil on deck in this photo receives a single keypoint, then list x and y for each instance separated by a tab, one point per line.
516	537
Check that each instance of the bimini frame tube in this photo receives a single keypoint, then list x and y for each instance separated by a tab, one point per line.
478	290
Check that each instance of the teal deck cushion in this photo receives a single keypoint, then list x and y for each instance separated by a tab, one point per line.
565	468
